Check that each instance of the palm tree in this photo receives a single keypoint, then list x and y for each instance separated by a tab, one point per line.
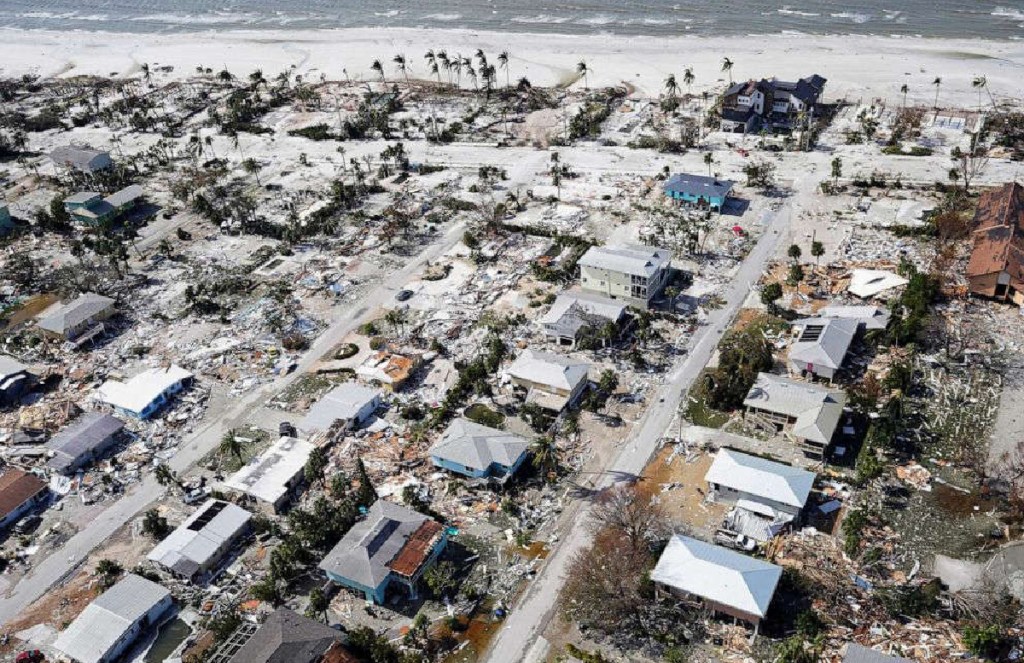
503	63
545	455
471	72
556	173
379	68
981	83
584	70
688	78
457	66
937	83
230	445
671	87
837	170
904	89
709	159
253	167
481	57
164	476
399	61
727	65
445	63
146	73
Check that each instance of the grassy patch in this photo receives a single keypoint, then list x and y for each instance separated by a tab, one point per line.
699	413
484	415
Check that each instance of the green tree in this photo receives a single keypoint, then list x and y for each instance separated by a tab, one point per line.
771	293
231	445
366	494
544	456
109	571
441	579
796	274
318	604
727	66
837	170
268	590
794	252
155	525
817	250
583	70
315	466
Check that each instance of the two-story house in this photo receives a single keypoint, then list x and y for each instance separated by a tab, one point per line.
633	274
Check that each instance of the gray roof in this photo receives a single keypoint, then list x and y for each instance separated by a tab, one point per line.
572	311
478	447
127	195
547	368
823	341
82	309
858	654
871	317
698	185
287	637
344	402
762	478
105	621
81	197
89	432
633	260
198	541
364	553
10	366
82	158
817	410
717	574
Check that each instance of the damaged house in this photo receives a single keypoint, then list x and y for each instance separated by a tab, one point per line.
725	581
197	547
770	104
143	395
479	452
79	320
551	381
15	380
20	492
573	315
821	346
393	545
83	159
806	413
288	637
273	478
349	405
766	496
996	266
82	442
389	370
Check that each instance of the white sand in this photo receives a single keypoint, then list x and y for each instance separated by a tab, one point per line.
857	67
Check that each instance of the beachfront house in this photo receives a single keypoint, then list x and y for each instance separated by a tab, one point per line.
765	496
20	492
197	547
271	480
996	267
479	452
698	190
83	441
551	381
143	395
821	346
770	103
78	320
725	581
806	413
632	274
575	315
83	159
111	623
392	546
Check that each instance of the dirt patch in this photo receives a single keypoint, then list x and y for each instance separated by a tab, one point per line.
677	482
58	607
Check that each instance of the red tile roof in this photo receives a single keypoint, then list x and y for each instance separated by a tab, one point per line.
17	487
416	549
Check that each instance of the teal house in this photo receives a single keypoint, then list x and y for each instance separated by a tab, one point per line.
698	190
479	452
91	209
6	223
390	549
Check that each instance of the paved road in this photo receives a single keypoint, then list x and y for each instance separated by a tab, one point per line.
63	562
520	637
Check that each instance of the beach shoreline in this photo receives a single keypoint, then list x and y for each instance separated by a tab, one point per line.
858	67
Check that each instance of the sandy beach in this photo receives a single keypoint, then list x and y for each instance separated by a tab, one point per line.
858	67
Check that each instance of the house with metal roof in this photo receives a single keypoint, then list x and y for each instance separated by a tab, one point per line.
858	654
20	492
868	317
821	346
698	190
90	208
273	478
82	316
81	158
552	381
15	380
807	413
478	451
574	314
632	274
288	637
348	405
83	441
724	580
113	621
197	547
392	545
766	496
143	395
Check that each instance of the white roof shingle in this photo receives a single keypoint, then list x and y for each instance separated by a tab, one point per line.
633	260
266	477
762	478
823	341
549	369
195	543
137	393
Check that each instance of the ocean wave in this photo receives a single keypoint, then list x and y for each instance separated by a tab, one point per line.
443	17
65	16
853	16
787	10
389	14
199	19
1008	12
540	18
600	19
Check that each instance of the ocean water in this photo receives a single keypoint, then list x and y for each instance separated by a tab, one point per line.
992	19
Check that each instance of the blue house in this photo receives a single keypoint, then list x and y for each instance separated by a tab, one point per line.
698	190
479	452
393	545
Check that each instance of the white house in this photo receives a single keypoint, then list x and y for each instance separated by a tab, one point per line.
633	274
113	621
199	544
147	392
572	313
807	412
272	479
349	403
552	381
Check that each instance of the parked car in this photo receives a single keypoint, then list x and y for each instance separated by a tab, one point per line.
33	656
287	429
28	524
403	295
